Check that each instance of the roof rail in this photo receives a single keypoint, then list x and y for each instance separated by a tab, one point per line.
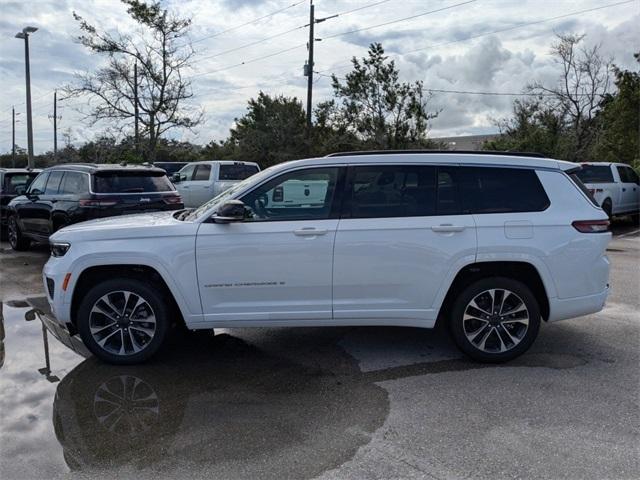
474	152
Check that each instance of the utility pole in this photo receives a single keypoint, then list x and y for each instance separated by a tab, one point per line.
55	126
24	34
135	106
13	137
308	68
309	71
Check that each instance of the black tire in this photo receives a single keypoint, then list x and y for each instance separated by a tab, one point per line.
608	209
16	239
512	335
154	305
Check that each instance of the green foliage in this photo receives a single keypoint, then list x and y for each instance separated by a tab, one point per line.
374	106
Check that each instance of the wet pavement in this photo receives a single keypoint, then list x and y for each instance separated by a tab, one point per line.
328	403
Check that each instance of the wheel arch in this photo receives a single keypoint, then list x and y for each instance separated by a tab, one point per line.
524	272
90	275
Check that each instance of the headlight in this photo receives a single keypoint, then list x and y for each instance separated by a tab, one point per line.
58	249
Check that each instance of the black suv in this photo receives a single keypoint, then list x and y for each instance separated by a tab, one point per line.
13	182
73	193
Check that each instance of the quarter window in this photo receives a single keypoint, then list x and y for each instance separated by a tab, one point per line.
301	195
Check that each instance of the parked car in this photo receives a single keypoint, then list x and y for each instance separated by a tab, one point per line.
615	186
170	167
13	182
490	244
199	182
66	194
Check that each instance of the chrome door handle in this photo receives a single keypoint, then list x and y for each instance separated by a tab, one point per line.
448	228
309	232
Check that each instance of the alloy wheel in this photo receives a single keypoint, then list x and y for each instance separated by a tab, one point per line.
13	232
122	323
495	320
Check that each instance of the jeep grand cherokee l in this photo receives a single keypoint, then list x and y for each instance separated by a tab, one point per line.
491	244
67	194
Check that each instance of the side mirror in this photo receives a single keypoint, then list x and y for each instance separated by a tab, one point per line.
175	178
230	211
34	195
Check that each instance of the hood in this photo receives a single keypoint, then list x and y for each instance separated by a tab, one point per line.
140	225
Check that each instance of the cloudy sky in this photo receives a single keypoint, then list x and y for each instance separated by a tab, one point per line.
477	46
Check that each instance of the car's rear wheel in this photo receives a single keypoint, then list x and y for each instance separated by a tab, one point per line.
495	319
123	321
16	239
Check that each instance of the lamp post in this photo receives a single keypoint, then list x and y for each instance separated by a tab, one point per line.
24	35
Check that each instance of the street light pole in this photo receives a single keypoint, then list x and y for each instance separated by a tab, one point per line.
25	36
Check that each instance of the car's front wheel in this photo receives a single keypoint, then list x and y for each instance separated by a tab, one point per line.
123	321
16	239
495	319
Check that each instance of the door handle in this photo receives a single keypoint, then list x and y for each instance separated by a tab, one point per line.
448	228
309	232
185	188
624	189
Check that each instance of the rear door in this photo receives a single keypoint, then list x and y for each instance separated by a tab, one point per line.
629	195
401	235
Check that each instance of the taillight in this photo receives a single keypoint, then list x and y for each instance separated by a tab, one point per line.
92	202
173	200
591	226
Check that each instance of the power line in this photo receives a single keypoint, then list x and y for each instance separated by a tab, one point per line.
250	22
493	32
398	20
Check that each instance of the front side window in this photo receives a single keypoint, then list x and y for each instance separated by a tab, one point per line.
391	191
131	182
202	172
300	195
38	185
53	183
186	173
74	183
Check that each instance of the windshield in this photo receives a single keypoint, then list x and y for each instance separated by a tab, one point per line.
131	182
227	194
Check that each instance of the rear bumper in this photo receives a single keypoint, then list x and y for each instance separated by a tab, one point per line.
564	308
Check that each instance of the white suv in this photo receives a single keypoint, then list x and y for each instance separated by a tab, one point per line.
491	244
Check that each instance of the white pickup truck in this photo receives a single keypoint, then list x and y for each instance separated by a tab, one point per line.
199	182
615	186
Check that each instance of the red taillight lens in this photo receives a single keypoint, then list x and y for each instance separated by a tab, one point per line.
173	200
591	226
92	202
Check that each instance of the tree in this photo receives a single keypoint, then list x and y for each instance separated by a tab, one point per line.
272	131
375	107
579	92
161	52
619	135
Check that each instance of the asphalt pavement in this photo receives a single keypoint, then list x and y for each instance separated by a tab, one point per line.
326	403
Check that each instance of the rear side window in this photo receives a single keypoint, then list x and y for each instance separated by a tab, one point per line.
392	191
595	174
74	183
202	172
131	182
237	171
502	190
53	183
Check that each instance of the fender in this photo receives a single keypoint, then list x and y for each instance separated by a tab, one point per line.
185	293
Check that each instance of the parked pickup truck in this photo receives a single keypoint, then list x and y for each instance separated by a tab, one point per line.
615	186
199	182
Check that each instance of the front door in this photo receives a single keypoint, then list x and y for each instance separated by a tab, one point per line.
33	217
400	235
184	185
201	186
277	265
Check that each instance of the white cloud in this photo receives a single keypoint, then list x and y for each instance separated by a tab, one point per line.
503	62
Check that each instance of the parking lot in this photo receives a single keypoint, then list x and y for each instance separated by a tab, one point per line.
330	403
